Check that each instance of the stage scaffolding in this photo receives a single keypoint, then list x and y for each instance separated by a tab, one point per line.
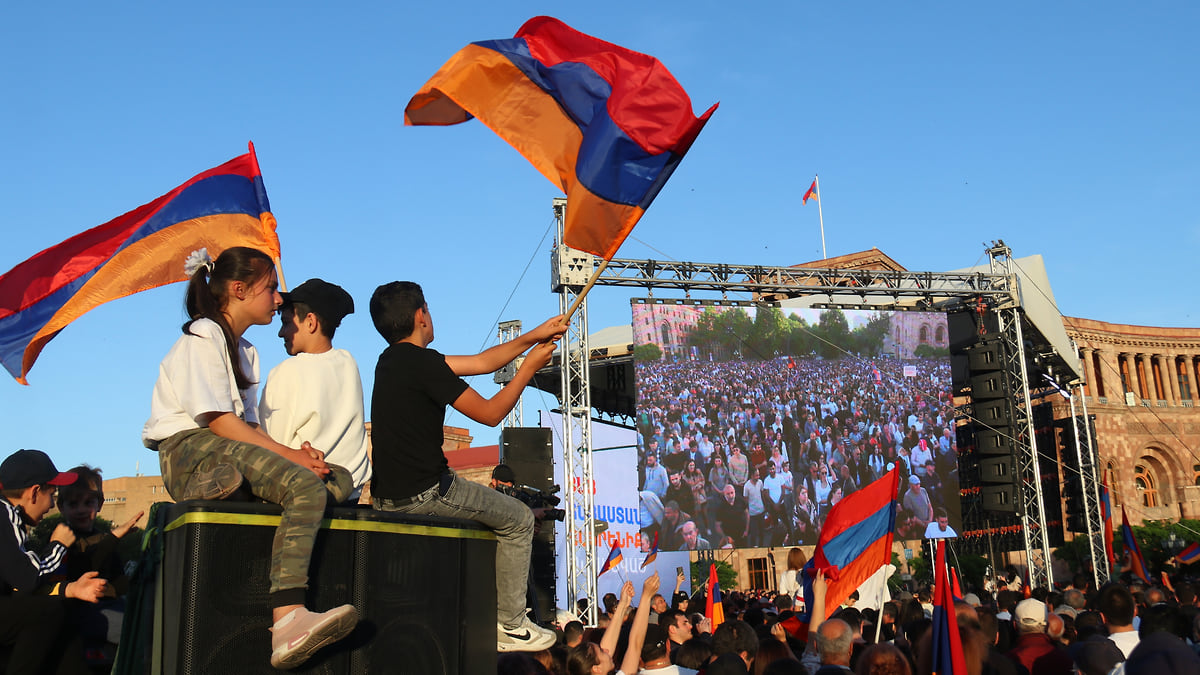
997	290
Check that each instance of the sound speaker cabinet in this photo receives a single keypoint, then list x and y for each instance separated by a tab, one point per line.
528	451
424	587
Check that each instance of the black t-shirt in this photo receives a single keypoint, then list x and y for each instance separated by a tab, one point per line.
413	386
732	517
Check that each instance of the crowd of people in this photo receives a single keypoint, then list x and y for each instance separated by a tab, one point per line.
1118	629
754	453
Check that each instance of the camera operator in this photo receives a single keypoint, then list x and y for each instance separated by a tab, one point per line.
541	503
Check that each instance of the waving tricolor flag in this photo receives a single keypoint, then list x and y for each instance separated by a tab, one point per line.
855	541
606	124
948	658
811	193
1189	555
143	249
614	559
713	607
1106	515
1131	547
653	554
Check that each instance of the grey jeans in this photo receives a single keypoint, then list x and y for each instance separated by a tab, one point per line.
512	522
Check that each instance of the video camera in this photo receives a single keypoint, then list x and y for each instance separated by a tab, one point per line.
536	499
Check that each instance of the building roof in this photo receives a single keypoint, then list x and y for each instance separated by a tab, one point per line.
474	458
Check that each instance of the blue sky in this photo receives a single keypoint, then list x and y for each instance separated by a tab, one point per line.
1067	131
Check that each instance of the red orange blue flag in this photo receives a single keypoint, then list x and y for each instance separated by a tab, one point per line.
856	540
606	124
948	658
1189	555
143	249
811	193
653	554
614	559
1131	547
1107	516
714	609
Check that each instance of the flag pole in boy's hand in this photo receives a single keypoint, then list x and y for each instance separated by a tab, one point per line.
583	293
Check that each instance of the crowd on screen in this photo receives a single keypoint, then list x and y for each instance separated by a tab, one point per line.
755	452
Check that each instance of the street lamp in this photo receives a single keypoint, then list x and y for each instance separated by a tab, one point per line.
1172	544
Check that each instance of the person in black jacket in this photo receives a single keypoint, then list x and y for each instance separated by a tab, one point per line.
33	611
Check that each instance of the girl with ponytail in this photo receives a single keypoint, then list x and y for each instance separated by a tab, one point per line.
204	425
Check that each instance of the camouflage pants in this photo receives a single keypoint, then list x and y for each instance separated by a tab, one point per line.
272	477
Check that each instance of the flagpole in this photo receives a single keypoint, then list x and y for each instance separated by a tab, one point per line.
587	287
891	535
821	216
879	614
268	220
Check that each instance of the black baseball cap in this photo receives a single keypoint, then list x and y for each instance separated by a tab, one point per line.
330	302
504	474
26	468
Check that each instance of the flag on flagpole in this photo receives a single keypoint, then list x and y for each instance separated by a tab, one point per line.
948	658
653	554
955	590
811	193
713	608
606	124
1106	515
142	249
1189	555
1131	547
614	559
855	541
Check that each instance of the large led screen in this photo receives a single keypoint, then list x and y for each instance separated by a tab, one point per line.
753	422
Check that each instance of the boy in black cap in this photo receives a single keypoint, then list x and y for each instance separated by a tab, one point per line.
33	616
316	396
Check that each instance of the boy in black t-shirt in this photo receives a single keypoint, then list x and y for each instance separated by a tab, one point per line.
413	386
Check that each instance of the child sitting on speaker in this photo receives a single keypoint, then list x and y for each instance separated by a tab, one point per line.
316	396
204	425
33	610
95	550
413	386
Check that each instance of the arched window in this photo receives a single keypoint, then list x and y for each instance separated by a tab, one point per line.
924	335
1146	483
939	335
1196	474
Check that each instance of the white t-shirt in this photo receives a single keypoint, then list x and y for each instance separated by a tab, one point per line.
196	377
752	491
1125	641
319	398
775	486
789	583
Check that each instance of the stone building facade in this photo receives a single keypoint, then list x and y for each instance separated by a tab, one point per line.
1141	387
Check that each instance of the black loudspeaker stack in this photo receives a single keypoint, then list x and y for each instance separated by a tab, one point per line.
529	452
994	431
424	588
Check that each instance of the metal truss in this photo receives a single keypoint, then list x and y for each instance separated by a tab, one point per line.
1090	486
1027	462
571	269
790	282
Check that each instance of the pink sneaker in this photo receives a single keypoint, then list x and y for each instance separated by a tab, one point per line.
297	636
